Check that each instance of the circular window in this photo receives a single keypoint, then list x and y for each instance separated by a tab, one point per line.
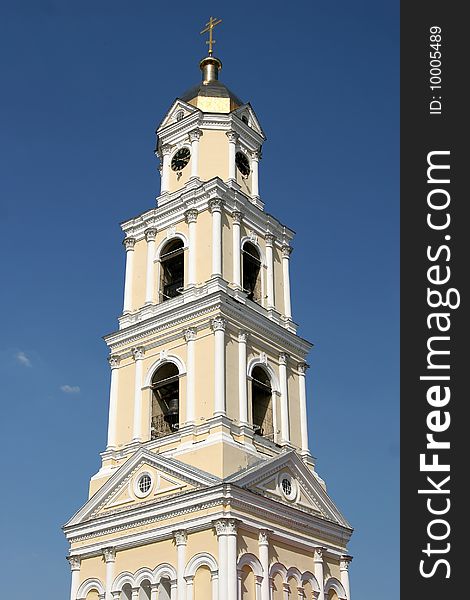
143	485
180	159
243	164
180	115
288	486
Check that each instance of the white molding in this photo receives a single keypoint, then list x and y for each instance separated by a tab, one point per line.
175	235
252	561
334	584
199	560
87	586
169	358
257	362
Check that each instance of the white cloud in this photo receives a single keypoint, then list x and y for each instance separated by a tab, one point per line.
23	359
70	389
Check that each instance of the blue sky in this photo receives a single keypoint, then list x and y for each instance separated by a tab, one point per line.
84	85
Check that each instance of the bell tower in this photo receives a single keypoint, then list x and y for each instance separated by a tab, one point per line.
207	487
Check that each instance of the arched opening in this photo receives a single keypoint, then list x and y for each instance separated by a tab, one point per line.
262	403
251	267
203	584
93	595
278	587
332	595
164	589
144	590
172	269
248	584
165	401
126	593
293	585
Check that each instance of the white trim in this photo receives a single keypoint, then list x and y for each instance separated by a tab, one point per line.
121	580
257	362
252	561
87	586
334	584
170	358
199	560
165	241
308	576
278	568
136	489
143	574
295	573
294	495
164	571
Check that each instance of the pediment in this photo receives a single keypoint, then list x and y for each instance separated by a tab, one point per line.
178	111
143	479
287	480
247	111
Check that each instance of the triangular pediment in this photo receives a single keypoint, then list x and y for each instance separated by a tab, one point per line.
247	111
178	111
287	480
143	479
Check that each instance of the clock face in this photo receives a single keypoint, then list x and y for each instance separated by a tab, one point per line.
180	159
243	165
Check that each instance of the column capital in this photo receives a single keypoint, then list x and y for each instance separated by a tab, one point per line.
166	149
232	136
190	334
318	553
218	324
263	537
345	561
138	352
114	360
243	336
256	155
302	368
194	135
74	562
154	586
216	204
286	250
109	554
237	217
191	215
269	239
150	234
286	587
283	358
225	526
181	537
128	243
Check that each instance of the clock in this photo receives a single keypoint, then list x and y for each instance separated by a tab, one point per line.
180	159
243	164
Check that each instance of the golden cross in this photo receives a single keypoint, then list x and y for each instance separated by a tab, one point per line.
209	27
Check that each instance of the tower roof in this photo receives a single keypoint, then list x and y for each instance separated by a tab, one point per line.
211	95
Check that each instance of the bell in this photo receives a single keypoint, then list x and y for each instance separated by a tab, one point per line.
173	407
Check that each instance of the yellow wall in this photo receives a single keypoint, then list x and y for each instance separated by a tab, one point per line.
248	584
213	155
203	584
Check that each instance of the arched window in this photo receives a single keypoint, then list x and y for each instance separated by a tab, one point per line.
165	400
126	593
251	267
164	589
172	269
262	403
144	590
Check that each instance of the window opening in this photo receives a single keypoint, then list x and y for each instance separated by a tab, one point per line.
262	406
251	271
172	270
165	401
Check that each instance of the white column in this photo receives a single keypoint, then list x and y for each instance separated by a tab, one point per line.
174	590
286	252
109	555
194	139
135	593
344	570
165	183
318	571
255	158
242	380
221	530
190	337
302	369
189	582
74	562
232	147
181	539
232	559
270	273
129	246
191	218
218	327
150	282
113	360
263	549
236	249
138	354
215	206
284	397
154	591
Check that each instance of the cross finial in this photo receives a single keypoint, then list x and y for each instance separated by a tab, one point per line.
209	27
